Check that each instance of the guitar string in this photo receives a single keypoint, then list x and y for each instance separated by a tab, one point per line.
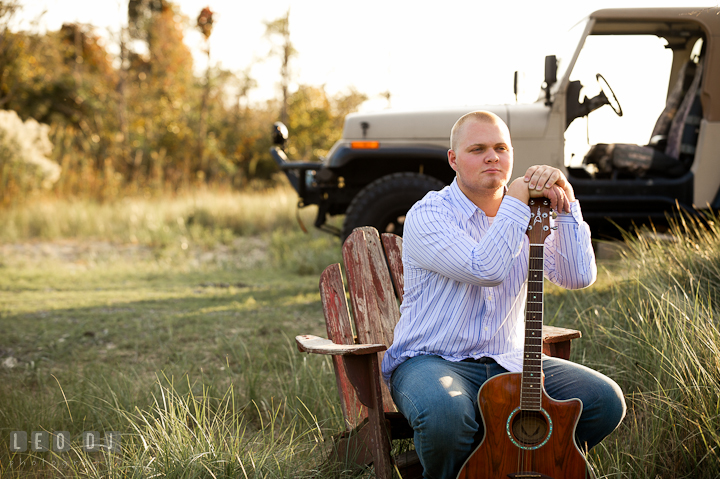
527	455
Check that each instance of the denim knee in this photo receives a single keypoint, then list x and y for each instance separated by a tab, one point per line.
603	415
446	422
603	400
440	404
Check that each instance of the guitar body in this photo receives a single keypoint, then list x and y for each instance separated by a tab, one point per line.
525	444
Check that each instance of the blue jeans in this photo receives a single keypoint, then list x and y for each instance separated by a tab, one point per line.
439	399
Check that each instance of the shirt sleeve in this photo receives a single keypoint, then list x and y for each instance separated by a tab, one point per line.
435	240
569	255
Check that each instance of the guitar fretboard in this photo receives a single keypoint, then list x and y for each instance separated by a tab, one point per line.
531	388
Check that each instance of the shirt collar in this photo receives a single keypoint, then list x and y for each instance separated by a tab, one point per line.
467	208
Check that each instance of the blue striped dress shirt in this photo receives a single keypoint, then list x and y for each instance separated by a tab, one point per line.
466	277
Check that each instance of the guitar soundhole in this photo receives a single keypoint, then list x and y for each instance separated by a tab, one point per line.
530	428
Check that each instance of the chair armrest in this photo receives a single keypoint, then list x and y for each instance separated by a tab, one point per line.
553	334
314	344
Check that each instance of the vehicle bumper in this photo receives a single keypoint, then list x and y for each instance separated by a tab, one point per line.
300	174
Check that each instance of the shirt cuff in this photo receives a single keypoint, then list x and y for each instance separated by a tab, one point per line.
514	210
574	217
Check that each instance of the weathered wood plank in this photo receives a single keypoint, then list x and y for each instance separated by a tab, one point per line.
373	298
339	329
557	350
393	250
314	344
368	367
337	316
375	306
553	334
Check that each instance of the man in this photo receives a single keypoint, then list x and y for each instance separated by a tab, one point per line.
465	257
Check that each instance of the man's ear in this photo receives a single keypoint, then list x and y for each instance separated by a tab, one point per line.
452	159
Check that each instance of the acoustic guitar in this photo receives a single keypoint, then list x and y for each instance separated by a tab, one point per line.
528	435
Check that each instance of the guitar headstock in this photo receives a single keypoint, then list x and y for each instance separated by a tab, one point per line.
540	214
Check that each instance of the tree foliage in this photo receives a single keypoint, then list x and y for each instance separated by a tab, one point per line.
135	124
316	120
284	50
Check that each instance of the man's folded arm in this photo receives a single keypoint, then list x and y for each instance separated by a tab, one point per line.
569	256
433	240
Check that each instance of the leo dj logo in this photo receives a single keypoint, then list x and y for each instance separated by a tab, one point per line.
61	441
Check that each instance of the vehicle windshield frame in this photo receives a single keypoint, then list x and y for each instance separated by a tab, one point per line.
572	44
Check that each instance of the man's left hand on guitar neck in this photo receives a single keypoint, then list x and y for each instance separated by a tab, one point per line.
544	181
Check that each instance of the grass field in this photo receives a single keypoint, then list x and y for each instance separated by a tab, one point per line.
171	321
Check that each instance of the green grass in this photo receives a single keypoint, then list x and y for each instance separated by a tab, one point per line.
184	344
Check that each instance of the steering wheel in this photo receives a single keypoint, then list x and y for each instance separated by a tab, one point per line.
609	95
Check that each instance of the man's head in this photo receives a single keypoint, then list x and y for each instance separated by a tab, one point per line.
481	154
479	116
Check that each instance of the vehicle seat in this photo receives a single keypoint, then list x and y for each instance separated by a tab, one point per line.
671	149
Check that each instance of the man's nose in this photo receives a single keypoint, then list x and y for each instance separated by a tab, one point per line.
492	156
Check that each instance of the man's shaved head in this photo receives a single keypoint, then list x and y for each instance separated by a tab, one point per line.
478	116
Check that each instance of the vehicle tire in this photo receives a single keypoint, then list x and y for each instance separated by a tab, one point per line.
384	202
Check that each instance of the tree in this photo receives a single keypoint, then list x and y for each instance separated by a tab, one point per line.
285	51
9	51
140	16
164	95
204	23
316	120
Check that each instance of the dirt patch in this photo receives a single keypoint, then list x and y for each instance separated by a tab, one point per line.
72	251
243	252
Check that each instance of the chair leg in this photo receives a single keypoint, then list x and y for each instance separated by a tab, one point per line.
351	448
408	464
363	374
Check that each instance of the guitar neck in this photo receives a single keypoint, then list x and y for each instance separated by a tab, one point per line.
531	388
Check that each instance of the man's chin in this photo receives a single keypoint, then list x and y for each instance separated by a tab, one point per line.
493	184
488	189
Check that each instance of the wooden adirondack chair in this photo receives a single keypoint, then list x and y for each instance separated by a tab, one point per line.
375	279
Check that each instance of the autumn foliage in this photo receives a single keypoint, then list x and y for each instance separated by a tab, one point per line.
131	123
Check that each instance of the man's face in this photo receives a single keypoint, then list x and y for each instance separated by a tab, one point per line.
483	159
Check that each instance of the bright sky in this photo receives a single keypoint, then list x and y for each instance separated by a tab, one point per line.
427	54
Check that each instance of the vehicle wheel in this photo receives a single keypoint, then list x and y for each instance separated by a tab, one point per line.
384	202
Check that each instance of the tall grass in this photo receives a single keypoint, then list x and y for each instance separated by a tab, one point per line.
657	333
186	435
204	216
186	431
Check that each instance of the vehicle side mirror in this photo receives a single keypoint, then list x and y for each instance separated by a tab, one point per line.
550	76
550	70
279	134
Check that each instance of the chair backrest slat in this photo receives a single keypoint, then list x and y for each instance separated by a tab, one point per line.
393	251
339	329
375	306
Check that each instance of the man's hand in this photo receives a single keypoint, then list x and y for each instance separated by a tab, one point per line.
544	181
